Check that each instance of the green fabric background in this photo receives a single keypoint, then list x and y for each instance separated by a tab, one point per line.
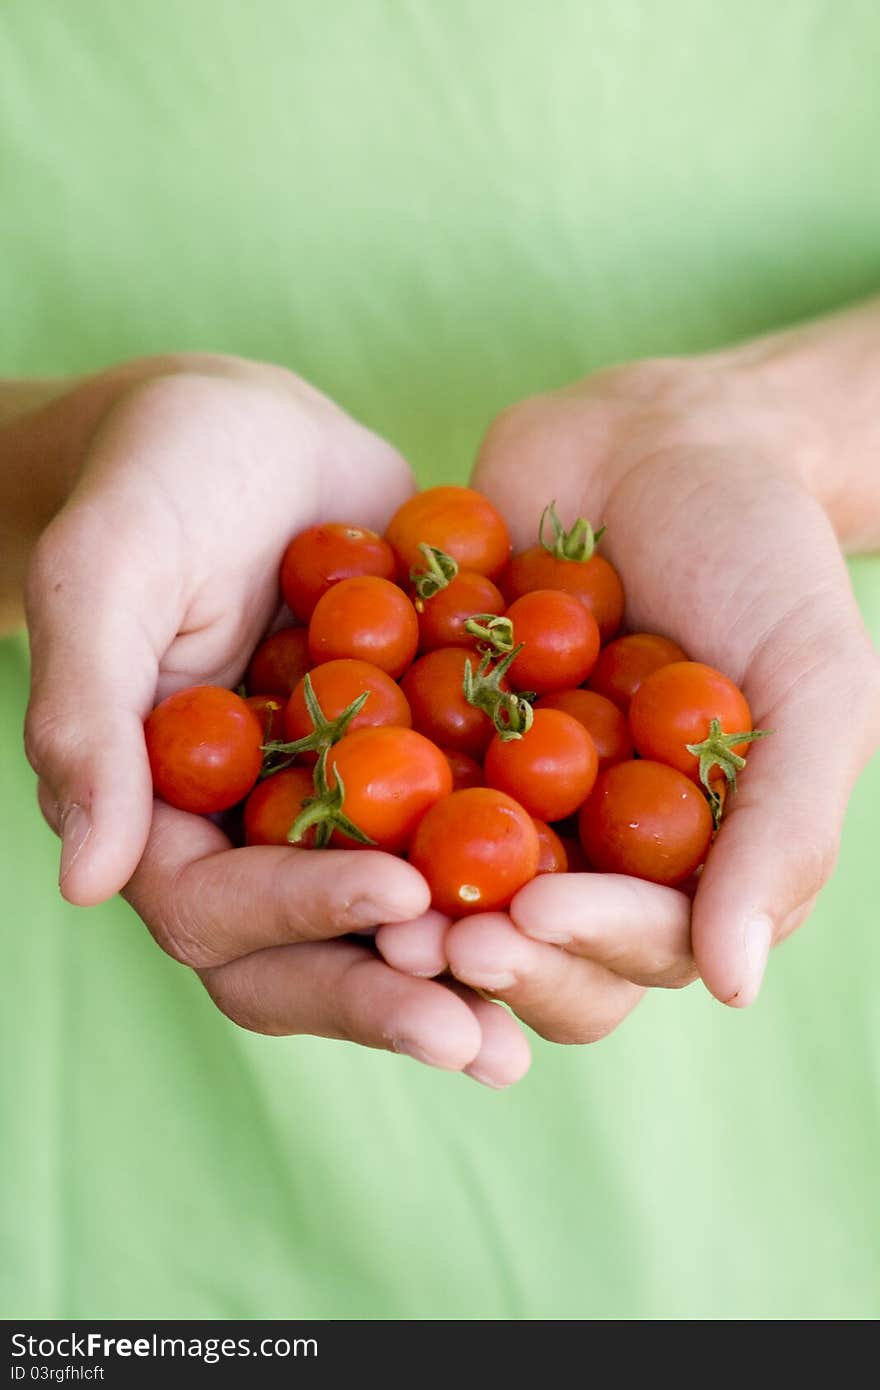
430	210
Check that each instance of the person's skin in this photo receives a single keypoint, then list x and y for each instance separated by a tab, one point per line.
727	484
721	480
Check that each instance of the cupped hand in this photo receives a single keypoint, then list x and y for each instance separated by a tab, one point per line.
161	572
702	478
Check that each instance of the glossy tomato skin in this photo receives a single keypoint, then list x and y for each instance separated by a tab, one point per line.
561	641
365	619
647	820
323	555
466	771
269	709
391	777
433	685
443	616
476	848
552	855
626	662
550	770
274	805
594	582
337	684
603	721
674	707
205	749
279	662
456	520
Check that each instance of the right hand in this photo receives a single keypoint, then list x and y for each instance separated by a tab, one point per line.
161	572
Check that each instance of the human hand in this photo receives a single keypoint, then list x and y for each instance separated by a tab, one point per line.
703	477
161	572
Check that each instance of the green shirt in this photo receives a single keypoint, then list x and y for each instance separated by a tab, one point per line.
430	210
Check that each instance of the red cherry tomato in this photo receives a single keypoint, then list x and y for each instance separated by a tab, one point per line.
320	557
279	662
561	641
574	853
594	582
466	771
391	777
456	520
274	805
675	706
204	746
602	720
367	619
337	684
433	685
552	856
269	709
476	849
443	616
646	820
624	664
549	770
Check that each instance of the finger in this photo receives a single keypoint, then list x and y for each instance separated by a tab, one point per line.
564	998
338	989
504	1056
93	674
547	437
639	930
779	840
416	947
207	904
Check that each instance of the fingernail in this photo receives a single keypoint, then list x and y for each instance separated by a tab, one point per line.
411	1049
76	827
485	1080
547	934
501	979
757	936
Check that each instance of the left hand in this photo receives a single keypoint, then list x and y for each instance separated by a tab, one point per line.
722	547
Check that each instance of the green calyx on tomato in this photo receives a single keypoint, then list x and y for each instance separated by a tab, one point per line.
325	732
716	751
496	633
439	570
577	544
511	713
324	811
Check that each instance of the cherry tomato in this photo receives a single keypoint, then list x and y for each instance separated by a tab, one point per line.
647	820
594	582
320	557
433	685
549	770
602	720
552	856
476	848
279	662
269	709
443	616
561	641
574	853
367	619
674	707
624	664
466	771
458	521
391	777
337	684
204	746
274	805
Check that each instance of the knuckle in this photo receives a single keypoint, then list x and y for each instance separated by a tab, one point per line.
578	1033
47	735
236	998
182	938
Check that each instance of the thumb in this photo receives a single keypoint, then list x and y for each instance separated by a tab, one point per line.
778	844
93	676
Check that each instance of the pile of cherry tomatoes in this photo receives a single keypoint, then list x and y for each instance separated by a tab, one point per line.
439	698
